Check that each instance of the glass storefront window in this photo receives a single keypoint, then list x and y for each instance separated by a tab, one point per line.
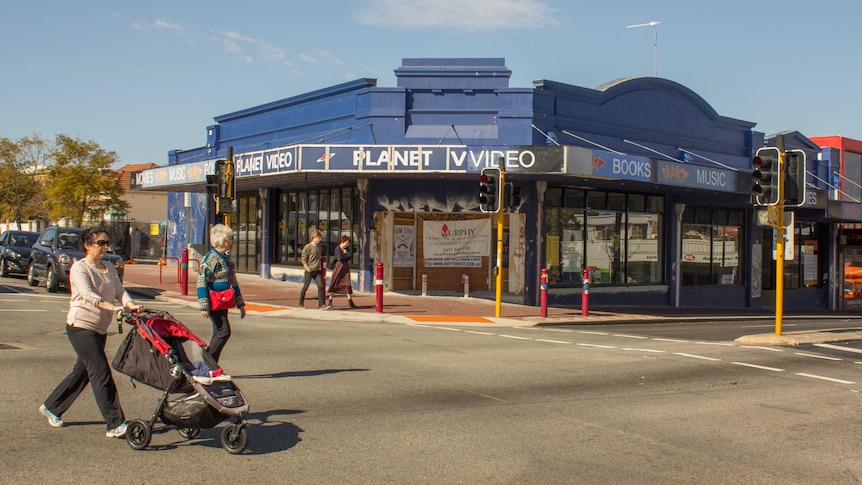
300	213
614	235
711	247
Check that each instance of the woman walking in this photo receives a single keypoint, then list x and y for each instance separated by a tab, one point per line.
95	288
340	282
217	274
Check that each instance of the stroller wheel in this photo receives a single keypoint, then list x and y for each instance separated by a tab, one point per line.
138	434
234	438
189	433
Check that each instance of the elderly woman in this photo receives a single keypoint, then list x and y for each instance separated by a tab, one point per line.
217	274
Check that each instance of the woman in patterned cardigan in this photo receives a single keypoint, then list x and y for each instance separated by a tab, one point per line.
217	273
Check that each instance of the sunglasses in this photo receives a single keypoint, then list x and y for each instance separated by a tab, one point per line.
101	242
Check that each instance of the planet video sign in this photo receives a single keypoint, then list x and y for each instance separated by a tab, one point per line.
447	159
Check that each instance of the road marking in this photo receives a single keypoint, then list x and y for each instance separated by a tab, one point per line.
515	337
693	356
830	379
592	333
552	341
26	310
478	333
720	344
446	328
768	326
803	354
646	350
838	347
763	367
597	346
771	349
629	336
671	340
558	330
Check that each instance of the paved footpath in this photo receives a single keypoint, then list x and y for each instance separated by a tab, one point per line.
277	298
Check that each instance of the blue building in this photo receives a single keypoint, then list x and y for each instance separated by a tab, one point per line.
639	184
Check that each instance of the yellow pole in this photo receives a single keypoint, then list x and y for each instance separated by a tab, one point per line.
779	241
499	268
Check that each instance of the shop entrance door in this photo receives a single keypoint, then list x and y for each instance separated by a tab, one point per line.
245	253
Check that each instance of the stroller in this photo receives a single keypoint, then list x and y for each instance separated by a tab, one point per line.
163	353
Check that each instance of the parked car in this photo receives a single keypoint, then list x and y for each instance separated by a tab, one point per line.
53	254
15	251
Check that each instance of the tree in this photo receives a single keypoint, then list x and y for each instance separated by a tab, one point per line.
21	192
81	183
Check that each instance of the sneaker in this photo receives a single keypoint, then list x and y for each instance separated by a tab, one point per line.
117	432
53	419
326	307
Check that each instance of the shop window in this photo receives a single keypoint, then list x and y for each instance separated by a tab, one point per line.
712	242
333	212
621	246
804	269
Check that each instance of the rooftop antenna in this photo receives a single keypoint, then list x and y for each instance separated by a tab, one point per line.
654	42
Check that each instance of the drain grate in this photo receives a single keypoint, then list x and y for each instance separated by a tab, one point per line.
8	347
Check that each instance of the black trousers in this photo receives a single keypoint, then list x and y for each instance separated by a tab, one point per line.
221	332
318	280
90	368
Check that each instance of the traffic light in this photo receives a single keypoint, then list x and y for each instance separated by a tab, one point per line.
490	190
513	196
765	176
795	188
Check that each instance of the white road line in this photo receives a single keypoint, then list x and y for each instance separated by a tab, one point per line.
803	354
768	326
771	349
763	367
840	381
646	350
592	333
838	347
720	344
672	340
514	337
478	333
558	330
447	328
693	356
552	341
597	346
13	310
629	336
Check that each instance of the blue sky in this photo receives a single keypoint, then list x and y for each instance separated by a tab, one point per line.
143	78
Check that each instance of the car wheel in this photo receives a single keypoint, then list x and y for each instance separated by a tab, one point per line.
31	275
52	284
4	270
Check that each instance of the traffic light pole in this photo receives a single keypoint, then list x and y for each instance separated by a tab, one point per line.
498	269
779	238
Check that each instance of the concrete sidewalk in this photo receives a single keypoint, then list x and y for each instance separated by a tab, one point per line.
277	298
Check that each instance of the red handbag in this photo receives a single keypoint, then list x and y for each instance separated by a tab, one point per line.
223	300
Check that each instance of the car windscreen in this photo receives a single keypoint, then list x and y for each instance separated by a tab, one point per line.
67	240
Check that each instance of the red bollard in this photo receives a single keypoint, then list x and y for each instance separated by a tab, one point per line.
543	292
585	294
184	272
378	282
323	275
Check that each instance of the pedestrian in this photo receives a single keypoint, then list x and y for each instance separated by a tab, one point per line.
95	289
340	282
310	260
217	274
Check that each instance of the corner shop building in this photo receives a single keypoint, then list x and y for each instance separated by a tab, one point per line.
639	181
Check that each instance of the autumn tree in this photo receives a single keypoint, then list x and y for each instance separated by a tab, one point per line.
21	162
80	183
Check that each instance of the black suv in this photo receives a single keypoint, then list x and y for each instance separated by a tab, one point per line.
15	251
53	254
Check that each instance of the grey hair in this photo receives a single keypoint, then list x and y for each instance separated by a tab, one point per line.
218	234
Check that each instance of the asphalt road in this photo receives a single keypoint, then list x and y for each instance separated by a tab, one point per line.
336	402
